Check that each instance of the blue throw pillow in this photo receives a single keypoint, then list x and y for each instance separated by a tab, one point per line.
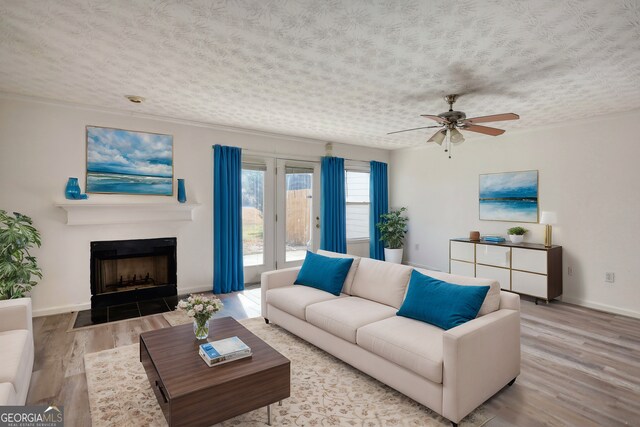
324	273
439	303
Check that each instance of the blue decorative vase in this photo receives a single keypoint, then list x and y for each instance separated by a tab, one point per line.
72	192
182	194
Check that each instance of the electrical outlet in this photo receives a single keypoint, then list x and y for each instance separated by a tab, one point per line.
570	271
609	277
417	246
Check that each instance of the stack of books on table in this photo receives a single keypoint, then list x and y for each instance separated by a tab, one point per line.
223	351
495	239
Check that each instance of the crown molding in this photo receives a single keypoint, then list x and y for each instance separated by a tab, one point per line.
166	119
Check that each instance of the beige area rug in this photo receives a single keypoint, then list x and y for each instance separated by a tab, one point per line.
324	390
177	317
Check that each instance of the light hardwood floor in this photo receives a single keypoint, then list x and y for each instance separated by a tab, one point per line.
580	367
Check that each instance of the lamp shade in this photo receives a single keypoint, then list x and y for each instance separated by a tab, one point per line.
456	136
438	137
548	217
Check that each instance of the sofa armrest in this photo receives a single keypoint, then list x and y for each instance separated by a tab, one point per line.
275	279
15	314
509	300
480	357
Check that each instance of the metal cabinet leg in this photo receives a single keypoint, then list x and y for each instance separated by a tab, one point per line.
268	415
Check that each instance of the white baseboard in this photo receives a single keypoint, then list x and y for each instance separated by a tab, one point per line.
601	307
576	301
428	267
195	289
61	309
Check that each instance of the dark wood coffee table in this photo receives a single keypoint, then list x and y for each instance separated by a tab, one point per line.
192	394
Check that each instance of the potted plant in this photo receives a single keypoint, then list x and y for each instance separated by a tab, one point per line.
393	227
516	234
17	267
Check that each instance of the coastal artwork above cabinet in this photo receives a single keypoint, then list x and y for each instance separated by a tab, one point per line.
525	268
509	196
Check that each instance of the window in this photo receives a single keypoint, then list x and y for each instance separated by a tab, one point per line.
357	189
253	213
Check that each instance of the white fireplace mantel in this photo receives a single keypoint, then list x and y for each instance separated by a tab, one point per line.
81	212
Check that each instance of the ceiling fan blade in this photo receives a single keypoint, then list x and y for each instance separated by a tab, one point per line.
436	118
493	118
408	130
484	129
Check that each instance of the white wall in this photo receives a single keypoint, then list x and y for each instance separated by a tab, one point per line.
42	144
589	174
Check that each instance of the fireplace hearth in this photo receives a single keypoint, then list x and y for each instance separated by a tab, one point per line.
127	271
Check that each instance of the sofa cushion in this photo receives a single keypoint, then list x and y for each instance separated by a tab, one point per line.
439	303
491	301
381	281
324	273
15	367
414	345
352	271
295	299
342	317
8	395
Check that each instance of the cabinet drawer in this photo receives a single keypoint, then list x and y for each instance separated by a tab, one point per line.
529	260
529	284
498	256
462	251
501	275
154	379
461	268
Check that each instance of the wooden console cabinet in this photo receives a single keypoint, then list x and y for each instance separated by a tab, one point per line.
525	268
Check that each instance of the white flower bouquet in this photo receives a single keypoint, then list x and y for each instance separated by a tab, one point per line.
200	309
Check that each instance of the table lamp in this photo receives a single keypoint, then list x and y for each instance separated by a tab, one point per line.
548	219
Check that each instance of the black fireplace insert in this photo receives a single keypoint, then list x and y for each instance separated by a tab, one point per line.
124	271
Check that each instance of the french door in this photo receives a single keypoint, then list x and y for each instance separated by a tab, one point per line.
280	213
297	211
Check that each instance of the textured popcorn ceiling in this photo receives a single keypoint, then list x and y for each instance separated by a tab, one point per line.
344	71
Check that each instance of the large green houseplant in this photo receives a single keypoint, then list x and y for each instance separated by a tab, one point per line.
393	227
18	268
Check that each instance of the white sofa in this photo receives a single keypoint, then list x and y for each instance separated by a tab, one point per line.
16	350
451	372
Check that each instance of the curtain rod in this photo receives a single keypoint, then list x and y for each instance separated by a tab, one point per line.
294	157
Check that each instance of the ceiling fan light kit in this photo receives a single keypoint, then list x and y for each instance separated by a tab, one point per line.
438	137
456	136
451	121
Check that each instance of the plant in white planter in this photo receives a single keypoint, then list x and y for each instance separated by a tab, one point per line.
393	227
17	267
516	234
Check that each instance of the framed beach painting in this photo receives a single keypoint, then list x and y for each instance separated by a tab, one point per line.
509	196
128	162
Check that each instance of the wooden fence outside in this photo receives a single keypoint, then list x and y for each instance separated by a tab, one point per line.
298	217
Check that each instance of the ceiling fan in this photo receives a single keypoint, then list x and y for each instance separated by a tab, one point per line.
450	121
